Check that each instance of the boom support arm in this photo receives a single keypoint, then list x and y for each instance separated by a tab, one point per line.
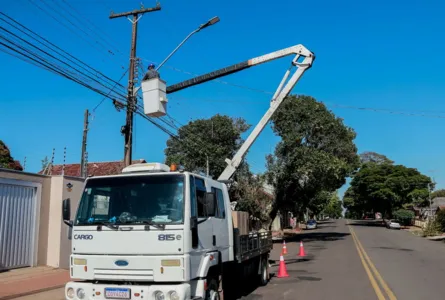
283	90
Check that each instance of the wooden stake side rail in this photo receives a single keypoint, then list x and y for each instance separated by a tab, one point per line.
252	244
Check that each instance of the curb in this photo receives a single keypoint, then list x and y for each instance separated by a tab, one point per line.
32	292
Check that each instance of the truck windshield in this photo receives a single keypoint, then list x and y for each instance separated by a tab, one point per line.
132	200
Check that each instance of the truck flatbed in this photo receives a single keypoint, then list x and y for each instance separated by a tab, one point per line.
252	244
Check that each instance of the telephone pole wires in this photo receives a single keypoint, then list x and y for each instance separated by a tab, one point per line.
127	130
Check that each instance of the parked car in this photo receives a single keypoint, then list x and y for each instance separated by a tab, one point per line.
311	224
393	224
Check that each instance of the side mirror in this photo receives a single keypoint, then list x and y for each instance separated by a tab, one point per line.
210	204
66	212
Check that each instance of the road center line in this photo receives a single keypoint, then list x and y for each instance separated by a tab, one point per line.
372	266
374	284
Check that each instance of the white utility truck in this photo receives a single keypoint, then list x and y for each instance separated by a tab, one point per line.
154	232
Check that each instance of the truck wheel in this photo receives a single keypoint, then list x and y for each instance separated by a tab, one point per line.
264	276
212	290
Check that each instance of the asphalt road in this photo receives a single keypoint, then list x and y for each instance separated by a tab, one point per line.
350	261
391	264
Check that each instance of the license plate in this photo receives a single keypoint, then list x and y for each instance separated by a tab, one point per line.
117	293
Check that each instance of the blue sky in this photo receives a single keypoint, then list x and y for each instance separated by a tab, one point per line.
379	55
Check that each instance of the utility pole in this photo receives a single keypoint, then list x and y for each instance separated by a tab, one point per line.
127	130
84	144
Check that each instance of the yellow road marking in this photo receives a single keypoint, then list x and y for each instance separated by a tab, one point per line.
374	269
374	284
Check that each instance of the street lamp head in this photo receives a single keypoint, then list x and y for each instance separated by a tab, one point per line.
212	21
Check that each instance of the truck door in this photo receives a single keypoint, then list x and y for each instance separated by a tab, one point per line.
198	192
220	226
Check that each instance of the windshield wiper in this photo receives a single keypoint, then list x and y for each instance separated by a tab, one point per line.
151	223
108	224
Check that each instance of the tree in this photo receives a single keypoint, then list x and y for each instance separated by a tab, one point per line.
438	193
385	188
316	154
203	140
334	208
405	217
250	196
6	160
373	157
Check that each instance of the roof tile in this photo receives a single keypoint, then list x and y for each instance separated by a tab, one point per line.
93	168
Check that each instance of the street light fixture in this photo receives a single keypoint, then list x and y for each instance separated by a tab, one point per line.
211	22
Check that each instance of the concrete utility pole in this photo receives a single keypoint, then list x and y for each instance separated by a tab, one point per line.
84	144
127	130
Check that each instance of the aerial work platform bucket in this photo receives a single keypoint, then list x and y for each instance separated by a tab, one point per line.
155	97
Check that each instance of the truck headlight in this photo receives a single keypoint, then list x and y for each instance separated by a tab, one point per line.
159	295
80	293
172	295
70	293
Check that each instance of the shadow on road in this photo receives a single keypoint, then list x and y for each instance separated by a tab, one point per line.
322	226
321	236
275	263
367	223
394	248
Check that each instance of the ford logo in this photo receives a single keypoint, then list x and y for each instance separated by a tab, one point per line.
121	263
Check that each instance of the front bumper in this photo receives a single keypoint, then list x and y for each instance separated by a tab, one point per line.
137	292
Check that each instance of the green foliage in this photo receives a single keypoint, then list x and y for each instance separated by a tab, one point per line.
216	138
315	155
440	220
351	215
385	188
405	217
6	160
438	193
432	228
373	157
250	196
334	207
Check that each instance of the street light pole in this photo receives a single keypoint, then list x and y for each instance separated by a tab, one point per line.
211	22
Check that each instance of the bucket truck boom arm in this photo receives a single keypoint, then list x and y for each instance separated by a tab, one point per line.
283	90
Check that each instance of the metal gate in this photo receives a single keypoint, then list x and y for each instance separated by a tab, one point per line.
19	203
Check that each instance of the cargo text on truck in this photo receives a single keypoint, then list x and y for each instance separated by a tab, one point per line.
158	232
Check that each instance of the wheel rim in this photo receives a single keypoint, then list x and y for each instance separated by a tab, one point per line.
213	295
264	272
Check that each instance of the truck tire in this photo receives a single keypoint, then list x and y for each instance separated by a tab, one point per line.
212	292
264	275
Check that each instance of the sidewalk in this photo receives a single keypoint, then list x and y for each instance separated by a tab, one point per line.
26	281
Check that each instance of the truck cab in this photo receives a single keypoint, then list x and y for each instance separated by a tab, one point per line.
150	233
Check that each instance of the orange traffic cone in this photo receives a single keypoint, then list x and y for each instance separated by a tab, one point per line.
282	271
284	250
302	253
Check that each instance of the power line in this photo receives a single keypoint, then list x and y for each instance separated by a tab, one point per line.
16	50
44	42
87	21
52	56
54	69
329	104
416	113
61	23
100	103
